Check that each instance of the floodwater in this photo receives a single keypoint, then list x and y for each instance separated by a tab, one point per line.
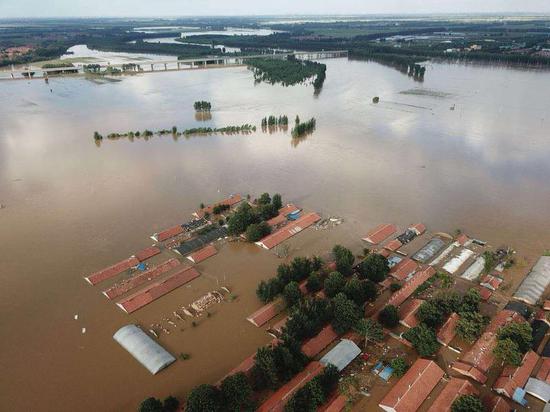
72	207
81	54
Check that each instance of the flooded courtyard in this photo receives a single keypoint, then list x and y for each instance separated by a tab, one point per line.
466	149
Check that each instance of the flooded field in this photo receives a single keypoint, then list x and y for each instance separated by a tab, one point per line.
72	207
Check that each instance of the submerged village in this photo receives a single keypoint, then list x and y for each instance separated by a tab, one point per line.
416	320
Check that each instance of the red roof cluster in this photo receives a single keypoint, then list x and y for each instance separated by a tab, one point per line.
380	233
455	388
112	271
230	201
147	253
491	282
413	388
495	404
277	220
278	400
315	345
278	326
335	404
516	377
484	293
408	289
289	230
157	290
404	269
407	313
447	332
168	233
477	361
202	254
266	313
419	228
462	239
125	286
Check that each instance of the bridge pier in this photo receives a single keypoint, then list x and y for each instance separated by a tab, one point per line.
152	68
165	66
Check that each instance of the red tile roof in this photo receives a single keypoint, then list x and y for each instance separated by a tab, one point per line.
112	271
491	282
408	289
495	404
334	404
516	377
230	201
407	313
380	233
147	253
544	372
413	388
278	326
266	313
277	220
547	305
315	345
480	357
289	230
404	269
202	254
157	290
126	285
419	228
462	239
168	233
447	332
278	400
384	252
455	388
288	209
393	245
484	293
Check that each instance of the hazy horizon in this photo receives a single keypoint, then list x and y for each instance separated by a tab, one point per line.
192	8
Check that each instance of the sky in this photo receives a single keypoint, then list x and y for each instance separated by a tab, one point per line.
149	8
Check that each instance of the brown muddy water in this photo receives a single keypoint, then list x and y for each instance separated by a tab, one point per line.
72	207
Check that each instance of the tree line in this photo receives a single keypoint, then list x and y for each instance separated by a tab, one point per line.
245	128
302	129
202	106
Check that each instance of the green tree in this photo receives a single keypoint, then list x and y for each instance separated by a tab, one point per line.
301	268
470	326
370	330
467	403
264	371
346	314
344	259
508	352
423	339
470	301
237	393
394	287
268	290
151	405
374	267
520	333
334	284
389	316
400	366
257	231
430	314
277	201
204	398
314	283
292	294
358	291
264	199
171	404
241	219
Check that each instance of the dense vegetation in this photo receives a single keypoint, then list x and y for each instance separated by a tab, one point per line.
302	129
288	72
251	220
514	340
274	121
314	393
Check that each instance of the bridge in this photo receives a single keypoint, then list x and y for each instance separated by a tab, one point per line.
154	66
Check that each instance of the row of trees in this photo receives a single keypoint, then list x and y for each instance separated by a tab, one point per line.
314	393
245	128
514	340
273	121
202	106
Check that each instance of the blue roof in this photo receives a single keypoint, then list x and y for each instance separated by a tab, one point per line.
386	373
342	354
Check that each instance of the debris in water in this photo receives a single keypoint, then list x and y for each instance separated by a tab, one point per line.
83	331
76	317
154	333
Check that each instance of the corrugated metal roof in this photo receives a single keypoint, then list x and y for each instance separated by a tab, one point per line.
341	355
429	250
538	389
143	348
200	241
533	286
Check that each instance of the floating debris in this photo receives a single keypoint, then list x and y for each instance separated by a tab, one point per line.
207	300
83	331
75	317
153	333
329	223
177	315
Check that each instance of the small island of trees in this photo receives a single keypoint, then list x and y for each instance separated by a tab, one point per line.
272	122
202	106
301	129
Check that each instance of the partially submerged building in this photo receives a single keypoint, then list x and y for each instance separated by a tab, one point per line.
454	264
413	388
405	268
407	313
429	250
112	271
202	254
511	378
380	233
289	230
447	332
409	287
475	269
313	346
533	286
539	389
202	240
266	313
143	348
341	355
231	201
